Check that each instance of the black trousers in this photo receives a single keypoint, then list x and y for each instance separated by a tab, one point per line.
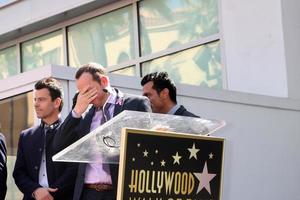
92	194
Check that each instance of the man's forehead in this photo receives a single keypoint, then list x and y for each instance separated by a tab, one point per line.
148	85
84	82
44	92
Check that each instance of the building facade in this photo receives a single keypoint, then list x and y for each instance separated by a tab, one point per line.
231	60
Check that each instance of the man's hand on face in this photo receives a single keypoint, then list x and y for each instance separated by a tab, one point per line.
85	97
44	193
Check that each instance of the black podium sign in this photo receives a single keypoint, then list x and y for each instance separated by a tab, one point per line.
157	165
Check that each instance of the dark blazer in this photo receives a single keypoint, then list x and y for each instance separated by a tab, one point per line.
29	156
74	128
183	112
3	168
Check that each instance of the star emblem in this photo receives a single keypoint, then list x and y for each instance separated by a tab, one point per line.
211	156
162	163
204	179
193	152
145	153
176	159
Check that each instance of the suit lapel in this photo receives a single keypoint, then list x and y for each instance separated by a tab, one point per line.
179	111
118	109
119	103
37	146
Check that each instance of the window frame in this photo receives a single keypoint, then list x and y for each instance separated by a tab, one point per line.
139	59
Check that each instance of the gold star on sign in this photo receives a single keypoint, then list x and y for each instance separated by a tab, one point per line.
162	163
176	159
193	151
145	153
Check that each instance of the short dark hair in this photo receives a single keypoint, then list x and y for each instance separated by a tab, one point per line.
94	69
161	80
54	88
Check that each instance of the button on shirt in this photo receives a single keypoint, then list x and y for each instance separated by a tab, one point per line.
95	172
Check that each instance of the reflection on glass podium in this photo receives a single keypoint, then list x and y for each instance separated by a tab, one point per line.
104	142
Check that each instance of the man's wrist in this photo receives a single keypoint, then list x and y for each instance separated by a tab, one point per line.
75	114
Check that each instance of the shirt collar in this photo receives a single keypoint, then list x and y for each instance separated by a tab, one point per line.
174	109
51	126
112	97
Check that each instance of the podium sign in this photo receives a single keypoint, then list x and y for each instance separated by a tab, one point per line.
158	165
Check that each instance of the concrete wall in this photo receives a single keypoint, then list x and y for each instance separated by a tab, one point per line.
254	46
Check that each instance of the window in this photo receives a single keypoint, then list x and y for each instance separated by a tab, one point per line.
181	37
107	39
47	49
18	116
170	23
165	24
128	71
199	66
8	62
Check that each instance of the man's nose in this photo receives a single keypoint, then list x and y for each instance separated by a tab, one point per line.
35	103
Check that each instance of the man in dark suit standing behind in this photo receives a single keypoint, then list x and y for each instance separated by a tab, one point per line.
3	169
161	91
35	174
95	180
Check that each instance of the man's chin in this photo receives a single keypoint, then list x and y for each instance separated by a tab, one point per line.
39	116
95	103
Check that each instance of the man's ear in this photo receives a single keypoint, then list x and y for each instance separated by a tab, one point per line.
57	102
104	81
164	93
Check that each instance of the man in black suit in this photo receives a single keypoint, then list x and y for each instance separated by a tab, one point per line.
35	174
3	169
161	91
95	180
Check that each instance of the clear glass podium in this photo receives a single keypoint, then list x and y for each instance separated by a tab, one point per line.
104	142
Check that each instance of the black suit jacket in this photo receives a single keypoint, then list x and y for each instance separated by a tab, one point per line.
183	112
73	129
3	169
29	156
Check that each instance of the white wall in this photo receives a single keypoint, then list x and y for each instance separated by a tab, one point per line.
261	150
254	46
26	12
